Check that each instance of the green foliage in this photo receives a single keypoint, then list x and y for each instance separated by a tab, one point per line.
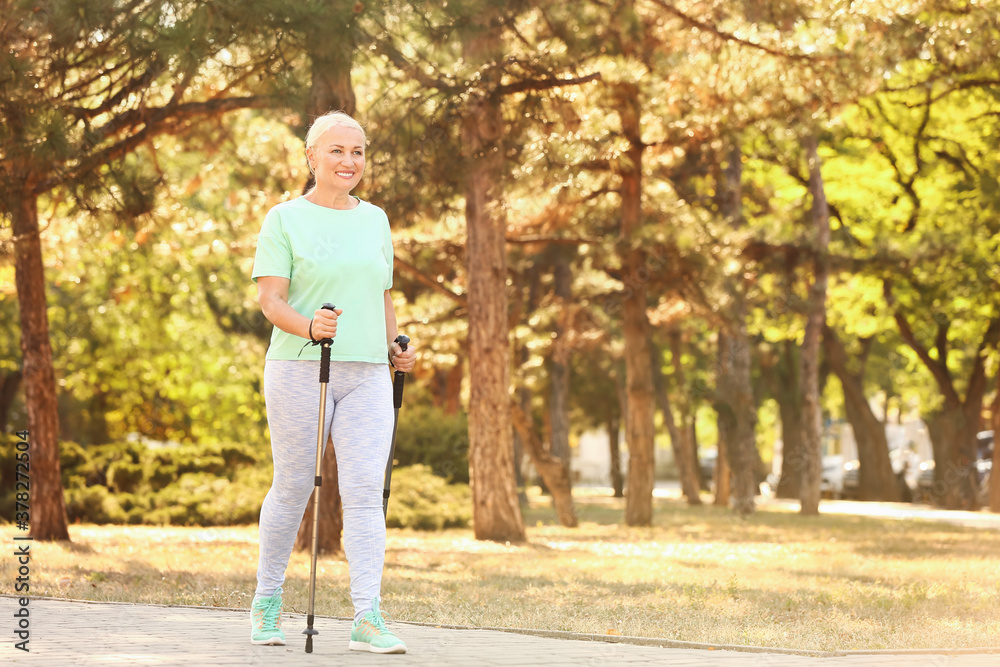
126	483
205	499
124	476
423	501
94	504
129	482
427	435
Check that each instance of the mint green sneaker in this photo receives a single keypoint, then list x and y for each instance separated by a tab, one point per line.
265	620
370	634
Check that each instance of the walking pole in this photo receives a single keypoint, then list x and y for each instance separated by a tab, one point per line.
398	378
324	379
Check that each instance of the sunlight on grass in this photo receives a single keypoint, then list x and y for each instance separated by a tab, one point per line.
778	579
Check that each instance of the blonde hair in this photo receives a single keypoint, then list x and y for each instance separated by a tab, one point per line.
324	123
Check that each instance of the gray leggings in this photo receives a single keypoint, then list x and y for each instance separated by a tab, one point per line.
359	412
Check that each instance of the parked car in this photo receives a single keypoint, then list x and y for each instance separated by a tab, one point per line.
925	491
831	483
925	483
706	465
706	468
985	469
852	480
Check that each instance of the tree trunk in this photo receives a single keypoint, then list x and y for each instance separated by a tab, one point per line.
8	391
331	516
737	417
552	469
446	388
994	497
689	465
524	398
953	426
623	412
47	506
734	391
639	427
524	304
953	437
787	391
617	481
680	436
453	389
815	321
496	513
559	363
877	480
722	476
331	59
330	90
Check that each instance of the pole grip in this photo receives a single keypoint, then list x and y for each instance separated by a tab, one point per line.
399	377
324	355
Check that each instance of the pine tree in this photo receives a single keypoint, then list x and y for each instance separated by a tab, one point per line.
83	86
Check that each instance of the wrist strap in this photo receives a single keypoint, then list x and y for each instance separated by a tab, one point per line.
311	331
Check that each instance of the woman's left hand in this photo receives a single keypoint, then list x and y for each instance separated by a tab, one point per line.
403	361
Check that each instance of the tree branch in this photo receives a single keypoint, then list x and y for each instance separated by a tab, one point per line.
553	240
427	281
545	84
936	367
729	37
155	120
977	379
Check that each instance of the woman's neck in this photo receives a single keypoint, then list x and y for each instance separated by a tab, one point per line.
342	201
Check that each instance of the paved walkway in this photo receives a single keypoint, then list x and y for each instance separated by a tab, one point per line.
80	633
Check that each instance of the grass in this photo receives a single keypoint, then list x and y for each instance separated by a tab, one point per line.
700	574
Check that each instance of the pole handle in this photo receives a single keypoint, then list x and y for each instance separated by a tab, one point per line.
399	377
324	354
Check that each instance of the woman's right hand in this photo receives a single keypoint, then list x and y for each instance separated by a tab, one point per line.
325	323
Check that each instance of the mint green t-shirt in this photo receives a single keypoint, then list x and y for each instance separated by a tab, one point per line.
340	257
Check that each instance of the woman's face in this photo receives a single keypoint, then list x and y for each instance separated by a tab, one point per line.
338	158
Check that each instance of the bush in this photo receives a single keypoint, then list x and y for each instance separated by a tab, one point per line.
427	435
71	458
424	501
178	503
240	500
203	499
94	504
124	476
186	485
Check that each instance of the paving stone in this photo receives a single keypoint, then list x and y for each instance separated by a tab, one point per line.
69	633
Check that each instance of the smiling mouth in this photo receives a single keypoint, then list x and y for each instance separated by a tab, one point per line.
346	174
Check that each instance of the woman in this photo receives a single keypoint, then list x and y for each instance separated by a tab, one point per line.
328	246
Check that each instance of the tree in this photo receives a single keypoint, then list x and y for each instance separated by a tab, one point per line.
935	129
781	370
682	433
496	514
994	497
815	321
83	87
877	480
476	81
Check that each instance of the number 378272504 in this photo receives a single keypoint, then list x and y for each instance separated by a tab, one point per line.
22	485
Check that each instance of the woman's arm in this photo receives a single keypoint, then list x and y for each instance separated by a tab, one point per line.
272	295
402	361
391	330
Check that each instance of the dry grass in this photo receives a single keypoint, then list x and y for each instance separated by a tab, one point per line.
833	582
